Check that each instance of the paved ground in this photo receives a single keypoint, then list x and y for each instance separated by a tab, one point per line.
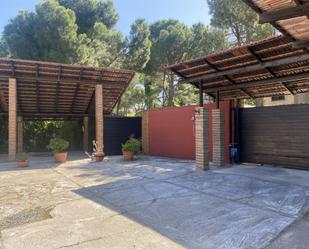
151	203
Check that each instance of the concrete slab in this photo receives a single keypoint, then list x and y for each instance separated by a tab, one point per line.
152	203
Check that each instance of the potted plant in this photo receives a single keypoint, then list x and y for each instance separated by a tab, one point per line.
59	147
130	148
98	154
22	160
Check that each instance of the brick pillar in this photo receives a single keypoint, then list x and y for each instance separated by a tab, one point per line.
85	133
218	155
12	119
20	134
145	132
99	119
201	138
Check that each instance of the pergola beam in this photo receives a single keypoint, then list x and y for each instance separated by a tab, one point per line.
268	69
283	14
62	81
251	68
301	44
258	82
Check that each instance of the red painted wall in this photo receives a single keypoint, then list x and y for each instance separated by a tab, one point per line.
171	131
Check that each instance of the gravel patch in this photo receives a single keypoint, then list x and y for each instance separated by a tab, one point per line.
25	217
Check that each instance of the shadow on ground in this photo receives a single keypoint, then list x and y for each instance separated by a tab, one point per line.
214	209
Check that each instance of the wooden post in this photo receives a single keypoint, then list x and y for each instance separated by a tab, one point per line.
12	119
20	134
85	133
99	122
201	94
217	100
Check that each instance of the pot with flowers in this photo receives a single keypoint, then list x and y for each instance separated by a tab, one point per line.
98	154
59	148
130	148
22	160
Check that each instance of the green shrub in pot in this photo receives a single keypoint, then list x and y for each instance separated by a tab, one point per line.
130	148
59	147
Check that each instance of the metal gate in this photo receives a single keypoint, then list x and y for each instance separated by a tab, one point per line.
275	135
117	131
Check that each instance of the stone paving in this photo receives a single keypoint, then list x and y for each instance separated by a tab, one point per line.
151	203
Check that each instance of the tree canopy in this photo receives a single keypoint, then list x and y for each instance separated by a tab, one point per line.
83	32
239	19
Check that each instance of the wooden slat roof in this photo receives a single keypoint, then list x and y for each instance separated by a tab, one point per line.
264	68
59	89
297	27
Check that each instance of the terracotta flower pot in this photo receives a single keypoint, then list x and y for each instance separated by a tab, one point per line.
61	157
128	155
22	164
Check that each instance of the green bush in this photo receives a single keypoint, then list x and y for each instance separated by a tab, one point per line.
132	145
58	145
23	157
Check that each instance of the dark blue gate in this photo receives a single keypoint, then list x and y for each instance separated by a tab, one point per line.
117	131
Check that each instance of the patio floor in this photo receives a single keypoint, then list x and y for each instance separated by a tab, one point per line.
151	203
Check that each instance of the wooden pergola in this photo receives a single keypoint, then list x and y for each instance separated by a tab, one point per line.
272	66
36	89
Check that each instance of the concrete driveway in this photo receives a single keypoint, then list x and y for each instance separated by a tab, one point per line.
151	203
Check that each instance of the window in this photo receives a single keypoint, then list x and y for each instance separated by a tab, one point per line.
278	98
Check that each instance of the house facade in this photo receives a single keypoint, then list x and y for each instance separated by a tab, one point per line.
302	98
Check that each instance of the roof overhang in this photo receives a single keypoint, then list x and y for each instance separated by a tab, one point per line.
290	17
268	67
46	89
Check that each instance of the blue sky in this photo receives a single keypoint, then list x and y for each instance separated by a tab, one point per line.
187	11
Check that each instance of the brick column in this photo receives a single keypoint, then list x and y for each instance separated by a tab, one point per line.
201	138
12	119
218	155
20	134
85	133
99	119
145	132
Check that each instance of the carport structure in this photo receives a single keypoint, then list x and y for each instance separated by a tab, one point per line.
274	66
46	90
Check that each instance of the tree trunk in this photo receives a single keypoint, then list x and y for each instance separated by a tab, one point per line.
171	92
118	107
148	98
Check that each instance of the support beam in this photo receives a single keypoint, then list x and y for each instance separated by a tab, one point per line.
99	119
201	103
283	14
251	68
20	134
85	133
246	92
218	99
12	120
301	44
259	82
